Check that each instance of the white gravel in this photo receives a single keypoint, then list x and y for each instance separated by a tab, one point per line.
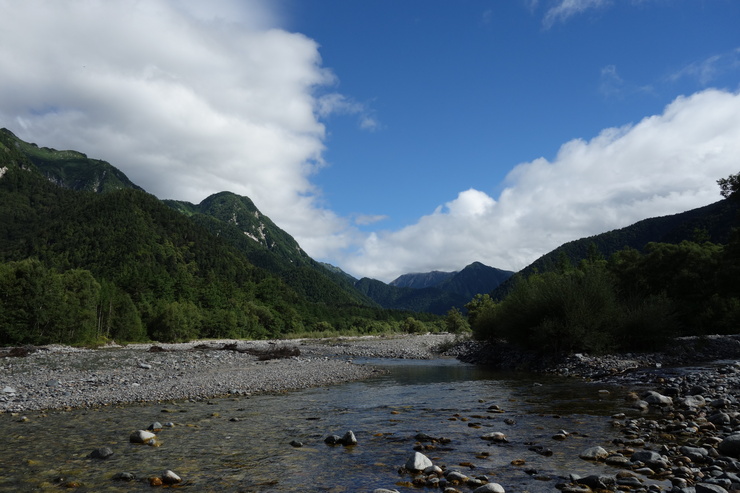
61	376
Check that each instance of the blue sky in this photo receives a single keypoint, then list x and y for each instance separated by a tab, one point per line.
393	136
463	91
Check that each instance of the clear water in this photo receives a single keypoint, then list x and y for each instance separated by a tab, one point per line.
243	444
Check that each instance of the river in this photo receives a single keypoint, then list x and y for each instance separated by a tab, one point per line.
243	444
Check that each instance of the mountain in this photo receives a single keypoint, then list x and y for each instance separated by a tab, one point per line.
237	220
434	292
71	169
713	222
428	300
422	280
475	278
239	213
143	268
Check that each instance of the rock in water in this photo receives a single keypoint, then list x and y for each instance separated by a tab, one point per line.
124	476
101	453
418	462
490	488
594	453
349	439
332	439
169	477
495	436
141	436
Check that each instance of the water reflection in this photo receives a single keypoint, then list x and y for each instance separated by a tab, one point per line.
244	444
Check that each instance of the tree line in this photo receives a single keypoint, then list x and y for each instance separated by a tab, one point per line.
634	300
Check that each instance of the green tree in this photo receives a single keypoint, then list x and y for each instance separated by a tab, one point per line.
729	186
175	322
455	322
413	326
480	310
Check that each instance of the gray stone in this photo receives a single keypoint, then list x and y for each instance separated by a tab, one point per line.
332	440
730	445
155	426
348	439
594	453
709	488
124	476
169	477
8	390
596	481
646	456
418	462
655	399
490	488
141	436
495	436
693	401
696	454
456	476
101	453
720	419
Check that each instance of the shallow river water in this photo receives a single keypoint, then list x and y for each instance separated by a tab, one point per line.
243	444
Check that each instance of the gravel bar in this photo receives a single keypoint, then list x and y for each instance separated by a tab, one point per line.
58	377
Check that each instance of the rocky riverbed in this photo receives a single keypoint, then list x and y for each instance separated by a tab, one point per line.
682	433
65	377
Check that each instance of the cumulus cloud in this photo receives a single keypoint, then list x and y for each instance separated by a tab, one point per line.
188	98
665	164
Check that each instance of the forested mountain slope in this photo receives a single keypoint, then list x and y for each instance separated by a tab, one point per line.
165	273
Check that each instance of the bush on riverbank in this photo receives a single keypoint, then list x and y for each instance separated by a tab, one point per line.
632	302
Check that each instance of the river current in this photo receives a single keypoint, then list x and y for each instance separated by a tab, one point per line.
243	444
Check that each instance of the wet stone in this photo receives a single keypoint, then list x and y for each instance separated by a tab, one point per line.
101	453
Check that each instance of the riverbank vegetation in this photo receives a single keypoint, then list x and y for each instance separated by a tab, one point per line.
635	300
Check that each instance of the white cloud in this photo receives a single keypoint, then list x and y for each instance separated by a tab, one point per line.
664	164
340	104
367	219
612	83
709	69
565	9
188	98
